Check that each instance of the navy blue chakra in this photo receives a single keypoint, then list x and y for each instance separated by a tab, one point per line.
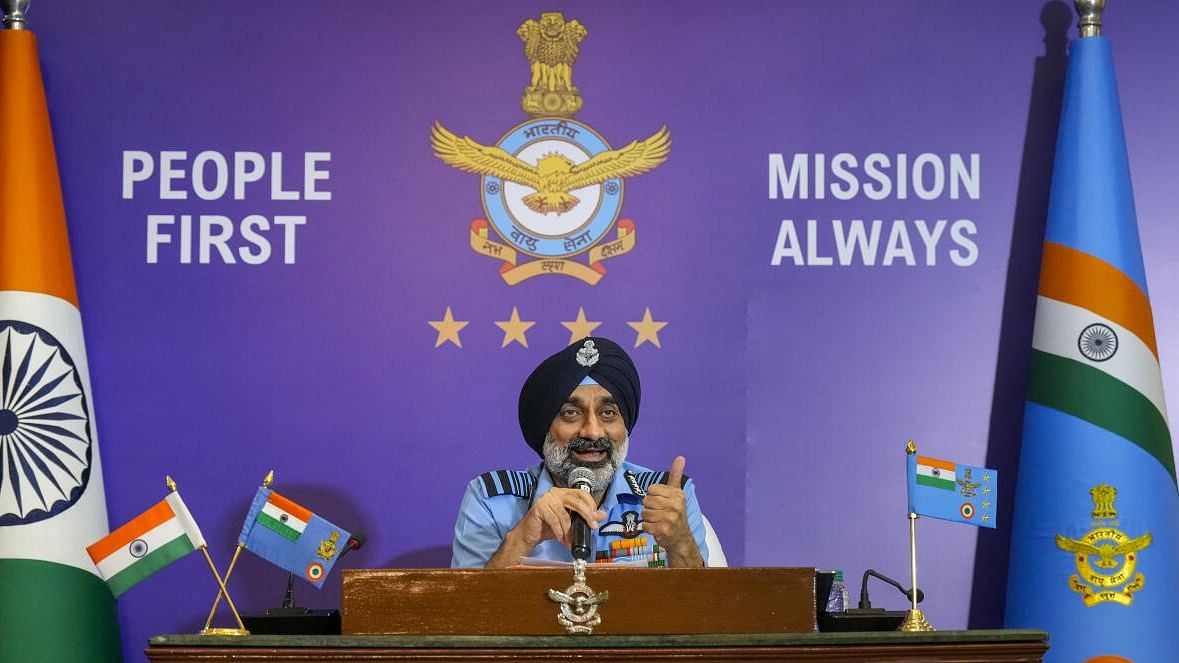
45	438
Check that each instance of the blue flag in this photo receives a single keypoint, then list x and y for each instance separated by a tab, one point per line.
1094	556
292	537
950	491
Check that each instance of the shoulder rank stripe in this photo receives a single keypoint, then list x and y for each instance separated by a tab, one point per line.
508	482
646	479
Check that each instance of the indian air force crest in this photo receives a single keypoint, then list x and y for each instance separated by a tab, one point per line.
551	187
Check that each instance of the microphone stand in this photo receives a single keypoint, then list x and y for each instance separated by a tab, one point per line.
288	609
865	617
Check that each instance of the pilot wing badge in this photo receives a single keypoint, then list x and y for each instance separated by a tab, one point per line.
552	186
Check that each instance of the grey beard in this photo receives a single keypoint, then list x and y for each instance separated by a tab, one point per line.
559	459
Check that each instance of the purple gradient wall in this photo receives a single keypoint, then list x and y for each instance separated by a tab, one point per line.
791	389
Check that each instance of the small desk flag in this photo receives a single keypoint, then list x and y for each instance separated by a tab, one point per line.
1095	537
949	491
152	540
292	537
53	604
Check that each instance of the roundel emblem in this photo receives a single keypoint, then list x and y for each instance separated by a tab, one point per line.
1097	342
556	223
966	510
314	571
45	440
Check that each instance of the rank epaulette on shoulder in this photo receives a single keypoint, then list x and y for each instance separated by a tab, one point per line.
508	482
646	479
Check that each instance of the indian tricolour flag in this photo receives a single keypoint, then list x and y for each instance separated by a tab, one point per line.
283	516
154	539
53	605
935	473
1096	466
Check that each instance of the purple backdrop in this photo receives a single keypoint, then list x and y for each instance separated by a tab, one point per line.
791	388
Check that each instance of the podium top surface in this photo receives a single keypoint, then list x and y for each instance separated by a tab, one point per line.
599	641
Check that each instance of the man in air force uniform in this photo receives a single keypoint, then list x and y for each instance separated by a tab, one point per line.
577	409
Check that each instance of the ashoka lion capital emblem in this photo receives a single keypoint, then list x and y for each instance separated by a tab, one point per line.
551	187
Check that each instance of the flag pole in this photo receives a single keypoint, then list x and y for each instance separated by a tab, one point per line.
217	601
266	481
241	630
914	619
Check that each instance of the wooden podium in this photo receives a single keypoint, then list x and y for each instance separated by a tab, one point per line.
515	601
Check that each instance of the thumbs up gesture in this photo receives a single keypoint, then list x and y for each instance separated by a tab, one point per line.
665	517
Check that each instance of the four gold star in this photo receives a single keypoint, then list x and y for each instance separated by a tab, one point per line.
580	328
648	329
448	329
514	329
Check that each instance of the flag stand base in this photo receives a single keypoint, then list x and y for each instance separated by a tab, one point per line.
915	623
224	631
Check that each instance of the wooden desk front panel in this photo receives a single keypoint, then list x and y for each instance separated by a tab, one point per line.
515	601
945	647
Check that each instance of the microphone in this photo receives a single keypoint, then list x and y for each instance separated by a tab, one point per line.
865	604
355	542
581	478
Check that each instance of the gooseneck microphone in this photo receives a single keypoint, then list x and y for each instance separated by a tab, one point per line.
865	604
581	478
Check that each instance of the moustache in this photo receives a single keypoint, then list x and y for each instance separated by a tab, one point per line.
584	444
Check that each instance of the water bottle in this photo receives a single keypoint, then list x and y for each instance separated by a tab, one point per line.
837	600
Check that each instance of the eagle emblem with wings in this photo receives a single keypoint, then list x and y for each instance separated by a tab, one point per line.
1112	575
553	175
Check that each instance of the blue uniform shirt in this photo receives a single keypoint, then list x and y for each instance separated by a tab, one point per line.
496	501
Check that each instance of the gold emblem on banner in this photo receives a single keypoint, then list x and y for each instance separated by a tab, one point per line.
327	547
1112	576
551	46
552	187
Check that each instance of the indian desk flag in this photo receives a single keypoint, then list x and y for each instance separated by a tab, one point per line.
53	604
950	491
154	539
292	537
1094	555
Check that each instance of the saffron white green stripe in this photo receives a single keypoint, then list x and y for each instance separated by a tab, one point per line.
157	537
936	477
280	520
1059	325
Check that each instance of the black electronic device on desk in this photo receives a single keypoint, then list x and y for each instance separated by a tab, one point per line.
291	619
865	617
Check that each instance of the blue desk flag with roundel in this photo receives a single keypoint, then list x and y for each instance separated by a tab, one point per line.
1095	537
951	491
292	537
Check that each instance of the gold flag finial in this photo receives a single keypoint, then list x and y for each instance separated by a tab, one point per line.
1090	13
171	484
268	480
911	448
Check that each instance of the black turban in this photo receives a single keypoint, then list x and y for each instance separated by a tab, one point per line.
546	390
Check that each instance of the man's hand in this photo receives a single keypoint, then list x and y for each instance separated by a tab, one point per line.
665	516
548	518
